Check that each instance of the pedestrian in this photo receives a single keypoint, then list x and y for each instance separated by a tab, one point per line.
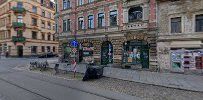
7	54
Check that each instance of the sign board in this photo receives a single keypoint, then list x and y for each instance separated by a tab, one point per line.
74	43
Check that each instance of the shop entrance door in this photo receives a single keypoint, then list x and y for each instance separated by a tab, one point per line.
145	58
20	51
106	53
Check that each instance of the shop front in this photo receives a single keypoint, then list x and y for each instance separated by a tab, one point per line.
186	59
136	54
106	53
86	52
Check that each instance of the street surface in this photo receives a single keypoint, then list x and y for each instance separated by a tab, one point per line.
22	85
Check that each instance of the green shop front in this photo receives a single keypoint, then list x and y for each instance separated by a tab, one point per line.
136	54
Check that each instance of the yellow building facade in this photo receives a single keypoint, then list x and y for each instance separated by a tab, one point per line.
27	27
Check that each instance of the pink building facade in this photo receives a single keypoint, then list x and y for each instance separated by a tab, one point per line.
117	33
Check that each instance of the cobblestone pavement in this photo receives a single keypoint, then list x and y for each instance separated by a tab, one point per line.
145	91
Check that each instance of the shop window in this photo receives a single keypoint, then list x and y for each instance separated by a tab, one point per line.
136	52
199	23
113	18
90	21
101	22
135	14
176	25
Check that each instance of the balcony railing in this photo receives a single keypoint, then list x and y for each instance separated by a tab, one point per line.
18	25
18	39
18	9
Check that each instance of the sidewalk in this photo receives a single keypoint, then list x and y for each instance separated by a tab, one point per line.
173	80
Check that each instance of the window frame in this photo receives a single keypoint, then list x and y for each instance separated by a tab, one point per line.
113	23
91	22
102	18
173	29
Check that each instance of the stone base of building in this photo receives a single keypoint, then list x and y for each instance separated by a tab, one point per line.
137	50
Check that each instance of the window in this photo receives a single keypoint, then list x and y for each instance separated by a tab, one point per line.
43	24
199	23
43	13
80	2
176	25
34	49
34	9
135	14
20	4
54	49
81	23
51	5
56	27
53	37
43	49
34	22
42	1
20	19
34	35
66	4
49	37
64	25
53	27
113	18
43	36
68	25
89	1
49	25
90	21
101	22
48	49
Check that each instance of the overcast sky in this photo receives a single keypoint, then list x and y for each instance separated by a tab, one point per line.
52	0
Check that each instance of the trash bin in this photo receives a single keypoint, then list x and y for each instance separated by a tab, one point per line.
93	72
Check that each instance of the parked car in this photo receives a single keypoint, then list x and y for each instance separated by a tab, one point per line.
48	55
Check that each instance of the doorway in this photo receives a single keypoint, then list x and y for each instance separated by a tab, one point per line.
106	53
20	51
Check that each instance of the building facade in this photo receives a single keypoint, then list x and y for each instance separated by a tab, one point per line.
109	32
180	35
27	27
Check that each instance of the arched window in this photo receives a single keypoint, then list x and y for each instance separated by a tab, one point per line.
135	13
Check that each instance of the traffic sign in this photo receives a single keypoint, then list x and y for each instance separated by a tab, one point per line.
74	50
74	43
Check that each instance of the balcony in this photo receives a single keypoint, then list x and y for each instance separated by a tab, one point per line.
18	25
18	9
18	39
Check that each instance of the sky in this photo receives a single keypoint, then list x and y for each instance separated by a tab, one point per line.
52	0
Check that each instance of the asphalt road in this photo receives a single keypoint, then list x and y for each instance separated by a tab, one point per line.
23	85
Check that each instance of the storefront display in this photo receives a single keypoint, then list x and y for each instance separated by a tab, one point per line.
136	53
187	59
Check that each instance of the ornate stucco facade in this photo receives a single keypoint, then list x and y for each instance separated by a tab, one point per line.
27	27
111	44
186	40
